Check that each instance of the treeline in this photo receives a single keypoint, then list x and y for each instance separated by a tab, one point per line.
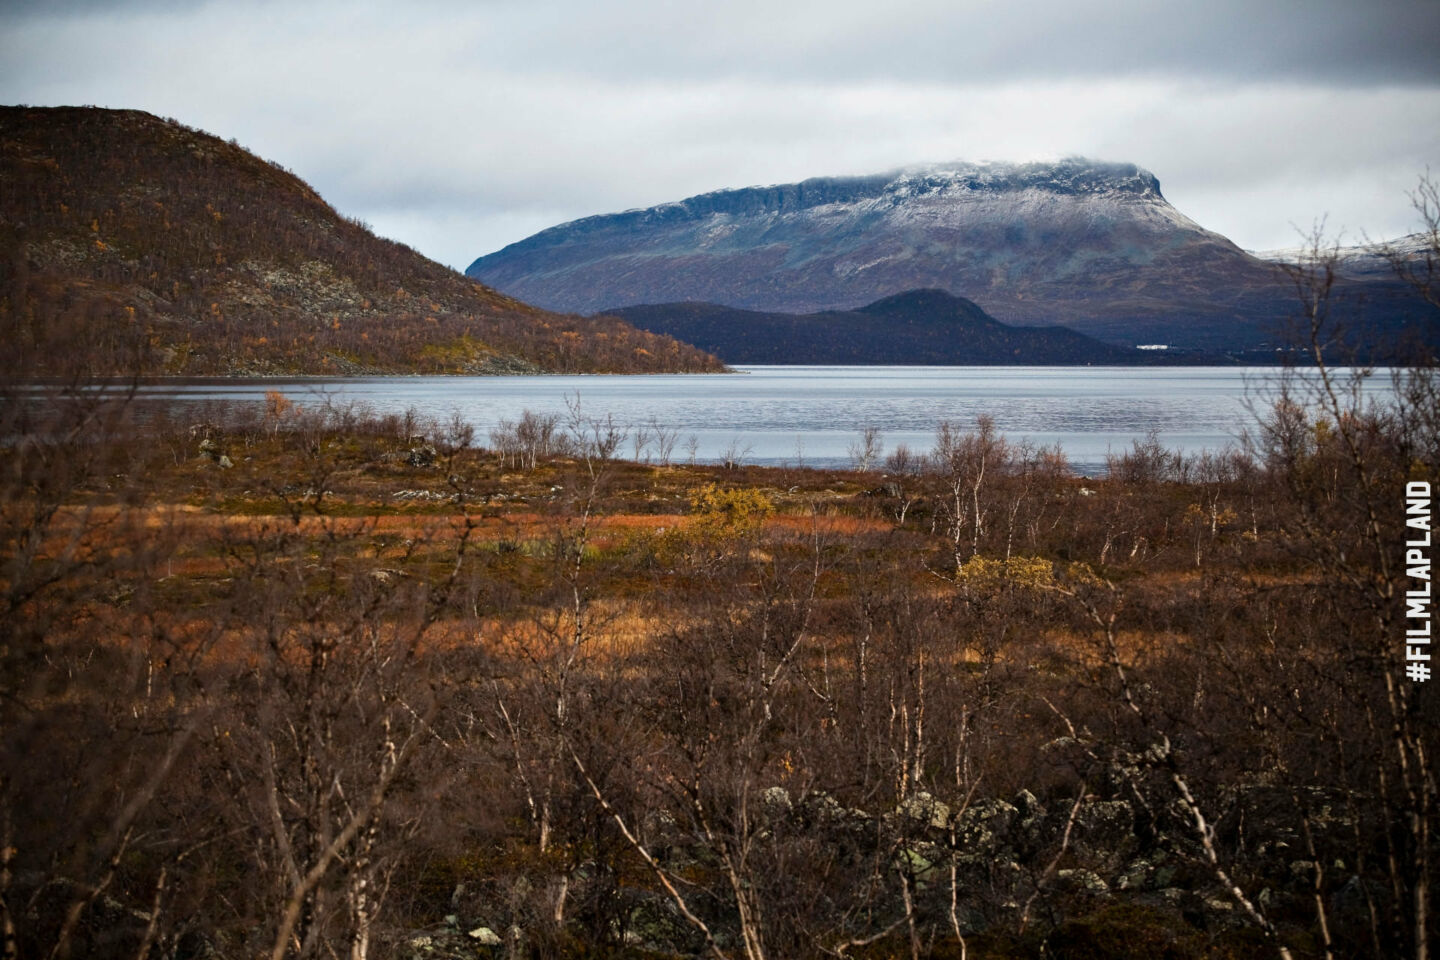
141	245
313	683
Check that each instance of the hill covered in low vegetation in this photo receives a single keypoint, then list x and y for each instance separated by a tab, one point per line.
134	244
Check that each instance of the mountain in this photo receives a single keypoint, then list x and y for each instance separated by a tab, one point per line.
134	244
1092	246
1365	261
916	327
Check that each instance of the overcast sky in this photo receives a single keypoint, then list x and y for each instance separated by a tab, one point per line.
458	127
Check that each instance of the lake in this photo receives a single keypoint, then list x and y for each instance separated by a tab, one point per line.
810	415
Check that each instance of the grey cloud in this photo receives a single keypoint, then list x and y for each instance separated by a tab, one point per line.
1334	41
66	9
1337	42
461	127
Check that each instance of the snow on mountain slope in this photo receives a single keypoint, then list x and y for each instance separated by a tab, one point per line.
1090	245
1364	260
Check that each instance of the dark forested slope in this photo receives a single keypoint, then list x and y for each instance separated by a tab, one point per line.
919	327
134	244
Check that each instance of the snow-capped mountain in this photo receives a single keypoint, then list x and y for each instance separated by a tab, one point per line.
1089	245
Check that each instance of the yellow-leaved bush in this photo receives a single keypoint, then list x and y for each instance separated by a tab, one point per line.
722	513
986	572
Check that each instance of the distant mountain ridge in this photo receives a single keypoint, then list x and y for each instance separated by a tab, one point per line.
131	244
1356	261
915	327
1088	245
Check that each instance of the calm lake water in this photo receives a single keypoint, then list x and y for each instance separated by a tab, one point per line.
811	415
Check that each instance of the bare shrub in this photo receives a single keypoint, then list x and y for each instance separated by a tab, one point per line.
534	437
1147	462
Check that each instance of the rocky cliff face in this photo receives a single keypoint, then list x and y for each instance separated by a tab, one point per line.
1092	246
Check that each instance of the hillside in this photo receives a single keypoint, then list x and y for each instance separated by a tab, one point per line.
916	327
134	244
1091	246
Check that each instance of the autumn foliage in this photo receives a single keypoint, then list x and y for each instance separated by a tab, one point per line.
296	681
133	244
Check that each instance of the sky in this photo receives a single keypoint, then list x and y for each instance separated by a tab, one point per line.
458	126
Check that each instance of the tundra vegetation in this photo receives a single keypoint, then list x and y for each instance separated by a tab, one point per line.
303	681
300	682
142	245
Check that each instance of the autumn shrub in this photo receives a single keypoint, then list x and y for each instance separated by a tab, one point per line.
985	572
725	513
